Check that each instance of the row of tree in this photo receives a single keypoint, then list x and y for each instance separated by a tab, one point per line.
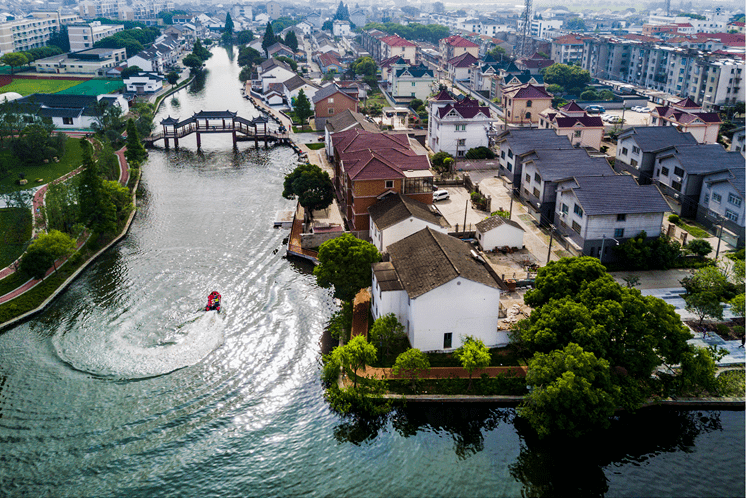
133	40
432	33
18	59
197	58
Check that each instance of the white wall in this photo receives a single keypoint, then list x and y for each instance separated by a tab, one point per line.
388	302
501	236
403	229
723	189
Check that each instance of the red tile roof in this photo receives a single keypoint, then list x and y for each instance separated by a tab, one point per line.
731	39
643	38
570	40
464	60
392	60
586	121
468	109
443	96
397	41
458	41
369	155
572	106
527	91
687	103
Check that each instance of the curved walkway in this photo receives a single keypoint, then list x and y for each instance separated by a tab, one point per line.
38	226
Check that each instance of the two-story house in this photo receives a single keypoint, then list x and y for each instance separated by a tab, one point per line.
637	148
344	121
272	71
523	104
679	172
457	126
517	143
722	201
398	216
329	101
459	68
573	122
597	213
439	291
412	81
544	169
687	116
455	45
370	166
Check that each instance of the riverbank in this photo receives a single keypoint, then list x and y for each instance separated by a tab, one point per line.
24	315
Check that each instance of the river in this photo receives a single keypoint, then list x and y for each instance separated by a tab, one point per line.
121	388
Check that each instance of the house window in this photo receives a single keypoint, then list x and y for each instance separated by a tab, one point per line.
536	192
625	151
389	184
576	227
577	133
503	154
460	127
578	211
528	178
664	171
564	208
462	142
619	232
733	199
67	121
620	217
529	103
537	178
528	115
677	186
634	163
730	215
508	166
705	199
447	340
716	197
636	150
679	171
510	153
331	100
331	110
413	83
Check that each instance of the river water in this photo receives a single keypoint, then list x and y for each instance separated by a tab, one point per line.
121	388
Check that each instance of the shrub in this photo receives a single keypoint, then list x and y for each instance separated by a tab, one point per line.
673	218
480	153
699	247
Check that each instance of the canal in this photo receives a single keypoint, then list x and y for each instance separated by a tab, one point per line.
122	388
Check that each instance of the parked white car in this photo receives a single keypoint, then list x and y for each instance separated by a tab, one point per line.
440	195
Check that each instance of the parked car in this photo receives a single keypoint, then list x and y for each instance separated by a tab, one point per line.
615	119
646	109
440	195
635	108
594	109
605	117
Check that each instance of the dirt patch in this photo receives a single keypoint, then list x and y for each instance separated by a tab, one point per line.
733	330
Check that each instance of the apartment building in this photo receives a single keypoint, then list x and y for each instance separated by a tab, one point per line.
28	33
567	49
92	61
82	36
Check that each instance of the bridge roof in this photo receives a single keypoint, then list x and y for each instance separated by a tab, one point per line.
214	114
169	121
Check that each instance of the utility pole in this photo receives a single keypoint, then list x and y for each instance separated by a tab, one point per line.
549	248
720	232
466	207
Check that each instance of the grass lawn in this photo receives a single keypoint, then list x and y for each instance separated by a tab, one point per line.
316	146
94	87
47	172
27	87
15	231
694	229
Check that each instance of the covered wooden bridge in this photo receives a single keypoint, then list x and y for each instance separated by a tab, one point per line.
241	129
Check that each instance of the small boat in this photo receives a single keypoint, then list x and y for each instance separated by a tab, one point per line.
213	302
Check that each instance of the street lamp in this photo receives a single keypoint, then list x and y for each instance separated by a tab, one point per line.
601	251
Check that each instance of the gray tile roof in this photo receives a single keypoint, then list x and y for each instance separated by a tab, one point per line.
619	194
523	140
653	138
348	118
428	259
386	276
397	208
327	91
705	158
495	221
554	165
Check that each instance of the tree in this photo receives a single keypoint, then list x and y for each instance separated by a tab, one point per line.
411	363
704	304
342	13
60	39
244	37
327	25
345	264
228	27
302	108
36	262
575	24
563	278
365	66
245	74
33	144
249	57
97	211
269	38
291	40
129	71
710	279
473	355
354	355
192	62
56	244
14	59
293	64
571	394
588	95
201	52
699	247
311	185
438	160
135	152
385	331
569	77
737	304
497	53
172	77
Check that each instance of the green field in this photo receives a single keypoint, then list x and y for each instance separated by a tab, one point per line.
94	87
47	172
15	231
28	87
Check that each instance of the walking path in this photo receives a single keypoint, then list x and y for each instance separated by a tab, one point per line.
38	226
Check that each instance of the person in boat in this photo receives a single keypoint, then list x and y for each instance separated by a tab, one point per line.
213	302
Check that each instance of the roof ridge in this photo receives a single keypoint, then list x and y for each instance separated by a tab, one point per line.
445	253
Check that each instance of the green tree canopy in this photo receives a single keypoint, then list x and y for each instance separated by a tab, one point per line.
228	27
342	12
354	355
244	37
14	60
192	62
172	77
302	108
249	57
704	304
569	77
365	66
386	331
269	38
345	264
411	363
312	186
497	53
291	40
130	70
571	392
36	262
473	355
135	152
564	278
575	24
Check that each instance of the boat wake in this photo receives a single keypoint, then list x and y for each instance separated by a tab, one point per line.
133	350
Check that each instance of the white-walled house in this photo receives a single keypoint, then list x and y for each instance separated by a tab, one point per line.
457	126
439	291
497	231
397	216
68	112
412	81
722	199
143	83
273	71
596	213
637	148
